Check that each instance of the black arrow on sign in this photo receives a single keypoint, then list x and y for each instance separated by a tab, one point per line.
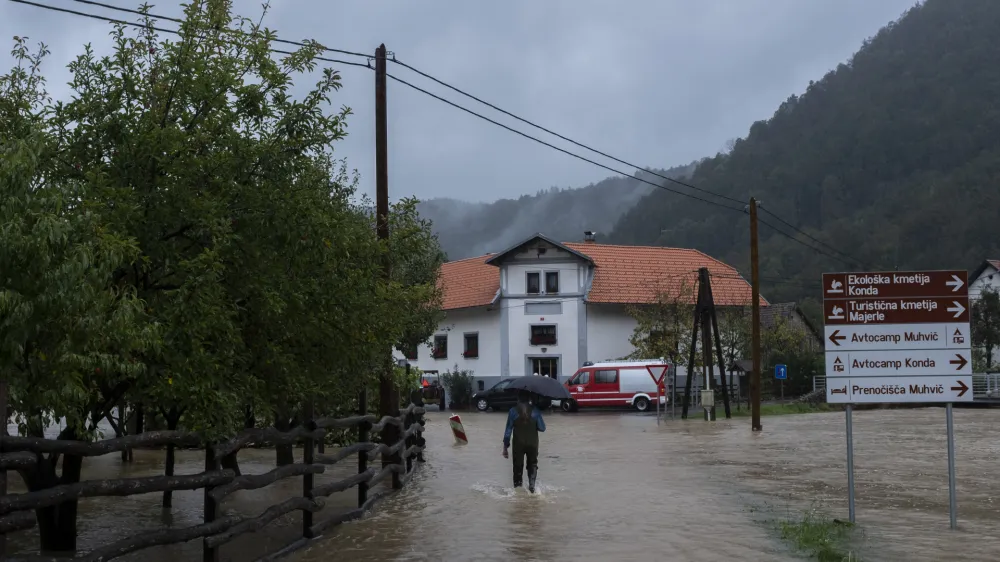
836	338
961	362
962	388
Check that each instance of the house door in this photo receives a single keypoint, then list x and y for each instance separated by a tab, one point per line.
545	366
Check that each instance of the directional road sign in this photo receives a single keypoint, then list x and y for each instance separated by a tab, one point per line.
907	310
867	390
656	372
781	372
895	284
874	337
897	336
884	363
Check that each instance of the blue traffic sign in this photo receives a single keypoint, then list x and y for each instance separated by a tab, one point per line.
781	372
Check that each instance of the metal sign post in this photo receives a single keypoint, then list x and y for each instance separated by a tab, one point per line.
656	372
952	507
850	465
673	395
781	374
897	337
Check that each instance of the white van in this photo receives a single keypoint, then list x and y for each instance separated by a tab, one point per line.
614	383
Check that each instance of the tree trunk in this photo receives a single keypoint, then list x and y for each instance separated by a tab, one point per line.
127	455
231	462
285	453
57	523
249	420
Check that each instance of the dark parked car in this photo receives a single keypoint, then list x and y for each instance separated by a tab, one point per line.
500	398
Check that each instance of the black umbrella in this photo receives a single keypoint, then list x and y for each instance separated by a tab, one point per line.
542	386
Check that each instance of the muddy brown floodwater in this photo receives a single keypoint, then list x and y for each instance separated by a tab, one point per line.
614	486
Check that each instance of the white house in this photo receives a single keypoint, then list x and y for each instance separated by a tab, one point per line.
986	276
547	307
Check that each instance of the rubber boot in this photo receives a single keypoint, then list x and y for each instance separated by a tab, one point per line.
532	473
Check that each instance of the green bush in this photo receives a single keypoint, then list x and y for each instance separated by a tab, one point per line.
458	383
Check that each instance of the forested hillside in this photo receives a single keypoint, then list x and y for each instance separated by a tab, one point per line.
472	229
892	158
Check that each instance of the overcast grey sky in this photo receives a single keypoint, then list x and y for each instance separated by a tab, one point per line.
655	82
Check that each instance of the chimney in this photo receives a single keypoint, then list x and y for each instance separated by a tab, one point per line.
588	236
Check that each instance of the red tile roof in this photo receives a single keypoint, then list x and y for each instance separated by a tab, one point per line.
468	283
638	274
624	275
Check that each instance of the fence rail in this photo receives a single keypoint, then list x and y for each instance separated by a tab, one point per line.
398	456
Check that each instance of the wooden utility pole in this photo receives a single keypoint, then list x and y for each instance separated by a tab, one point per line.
714	317
388	404
755	320
706	321
691	356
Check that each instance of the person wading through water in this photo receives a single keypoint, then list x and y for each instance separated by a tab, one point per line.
524	421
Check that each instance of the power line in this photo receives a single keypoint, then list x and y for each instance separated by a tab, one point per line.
567	139
457	106
806	234
554	147
609	168
180	21
609	156
163	29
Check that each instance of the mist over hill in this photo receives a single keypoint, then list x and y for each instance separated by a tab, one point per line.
473	229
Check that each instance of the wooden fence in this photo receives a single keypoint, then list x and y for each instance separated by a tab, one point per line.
405	432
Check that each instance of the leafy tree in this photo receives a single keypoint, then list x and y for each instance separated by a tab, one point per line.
181	236
69	338
985	330
458	382
663	329
785	343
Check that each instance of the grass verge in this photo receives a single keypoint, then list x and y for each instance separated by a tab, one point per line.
784	409
821	537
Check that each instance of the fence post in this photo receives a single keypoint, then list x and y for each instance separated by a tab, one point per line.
363	438
408	458
308	445
3	472
210	554
391	431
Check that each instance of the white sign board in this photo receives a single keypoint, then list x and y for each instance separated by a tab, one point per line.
907	362
890	337
875	337
877	390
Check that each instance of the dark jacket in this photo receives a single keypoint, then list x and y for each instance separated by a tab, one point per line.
529	434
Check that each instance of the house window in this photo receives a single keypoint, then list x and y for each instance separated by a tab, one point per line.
440	349
552	282
533	283
543	335
545	366
471	346
410	352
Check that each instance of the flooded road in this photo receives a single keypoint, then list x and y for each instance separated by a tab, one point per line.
615	486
